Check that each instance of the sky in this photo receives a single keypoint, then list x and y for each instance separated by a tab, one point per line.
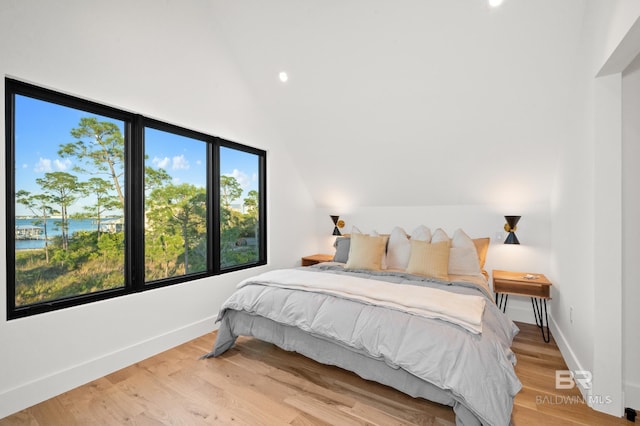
42	127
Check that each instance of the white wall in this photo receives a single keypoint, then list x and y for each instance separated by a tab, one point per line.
631	233
587	208
432	103
164	62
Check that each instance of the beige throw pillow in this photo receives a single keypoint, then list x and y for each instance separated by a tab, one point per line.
366	252
429	259
482	246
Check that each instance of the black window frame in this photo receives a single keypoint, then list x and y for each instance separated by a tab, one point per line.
134	260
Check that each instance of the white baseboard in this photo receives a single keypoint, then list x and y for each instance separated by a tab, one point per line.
569	356
632	395
28	394
520	312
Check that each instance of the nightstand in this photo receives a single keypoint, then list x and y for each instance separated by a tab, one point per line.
536	286
316	258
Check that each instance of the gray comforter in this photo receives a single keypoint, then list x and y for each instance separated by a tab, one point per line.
475	369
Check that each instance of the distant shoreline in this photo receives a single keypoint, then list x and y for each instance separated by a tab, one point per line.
53	231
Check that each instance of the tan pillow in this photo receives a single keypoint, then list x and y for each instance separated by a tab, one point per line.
383	265
366	252
429	259
482	246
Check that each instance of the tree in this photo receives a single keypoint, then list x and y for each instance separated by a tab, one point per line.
100	146
230	190
251	203
40	206
250	220
63	189
104	200
180	207
155	178
162	249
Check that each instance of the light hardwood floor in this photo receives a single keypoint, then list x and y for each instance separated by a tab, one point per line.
256	383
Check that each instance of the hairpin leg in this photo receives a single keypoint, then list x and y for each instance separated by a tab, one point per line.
541	322
502	301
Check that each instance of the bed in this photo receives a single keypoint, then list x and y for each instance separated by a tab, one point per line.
428	334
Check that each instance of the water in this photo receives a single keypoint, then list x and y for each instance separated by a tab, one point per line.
52	230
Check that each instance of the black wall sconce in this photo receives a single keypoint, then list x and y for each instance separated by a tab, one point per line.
510	227
337	224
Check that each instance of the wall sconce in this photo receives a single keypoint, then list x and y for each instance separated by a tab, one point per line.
511	227
338	223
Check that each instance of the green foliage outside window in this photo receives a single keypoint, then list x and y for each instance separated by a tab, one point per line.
239	223
176	220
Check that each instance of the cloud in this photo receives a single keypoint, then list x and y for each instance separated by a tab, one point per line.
161	162
180	163
62	164
43	165
243	179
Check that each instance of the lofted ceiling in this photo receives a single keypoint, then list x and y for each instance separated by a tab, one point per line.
413	102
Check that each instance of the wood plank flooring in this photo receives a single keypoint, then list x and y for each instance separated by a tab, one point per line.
256	383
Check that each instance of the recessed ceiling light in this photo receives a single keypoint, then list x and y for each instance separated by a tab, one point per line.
495	3
283	76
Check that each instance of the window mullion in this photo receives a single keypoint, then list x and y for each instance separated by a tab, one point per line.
262	212
134	219
214	201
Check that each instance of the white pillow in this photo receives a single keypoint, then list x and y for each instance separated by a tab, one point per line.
439	235
398	249
421	233
463	258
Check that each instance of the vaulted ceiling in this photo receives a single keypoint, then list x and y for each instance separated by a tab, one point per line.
413	102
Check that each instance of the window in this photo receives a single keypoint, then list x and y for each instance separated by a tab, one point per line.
175	239
103	202
239	207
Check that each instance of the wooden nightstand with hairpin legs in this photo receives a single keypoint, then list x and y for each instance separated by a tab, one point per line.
536	286
316	258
